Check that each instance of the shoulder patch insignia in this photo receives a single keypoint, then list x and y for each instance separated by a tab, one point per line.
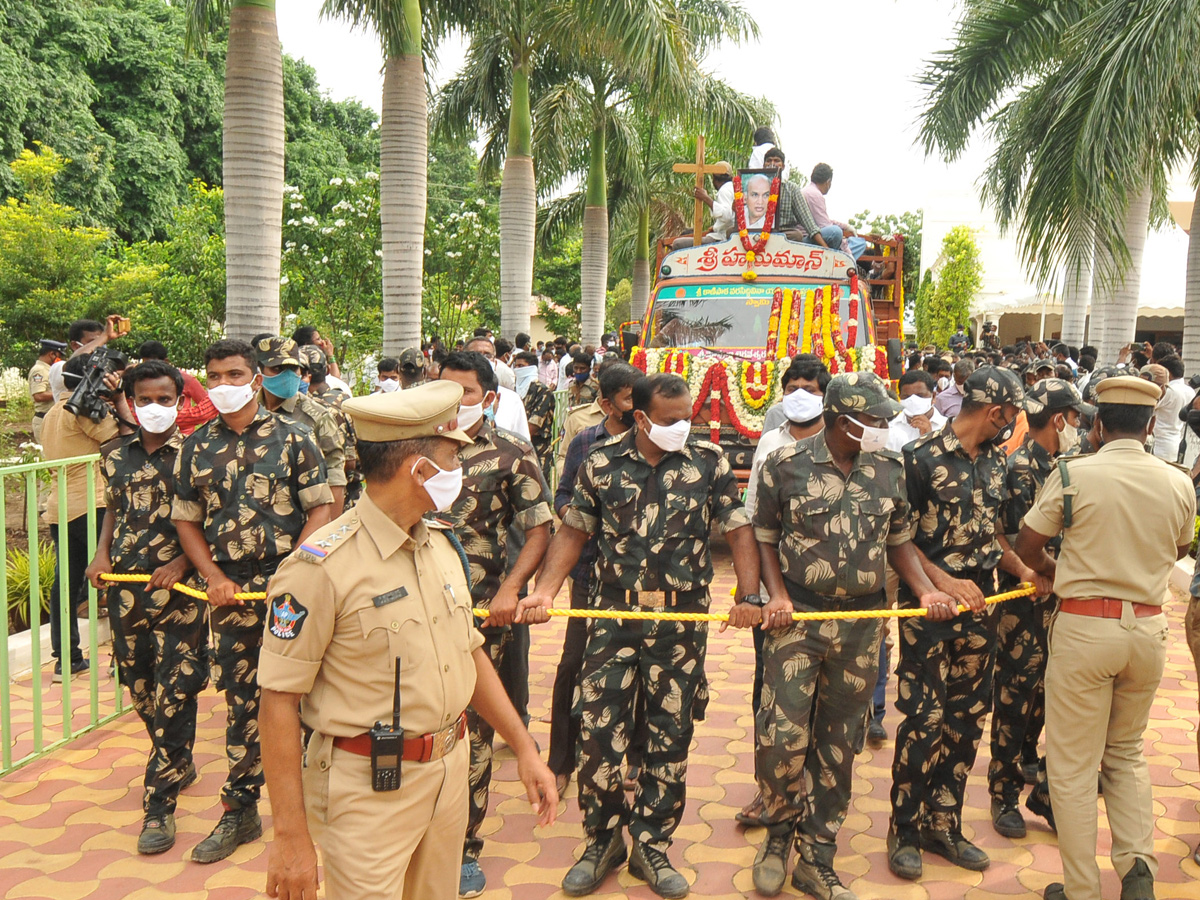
287	617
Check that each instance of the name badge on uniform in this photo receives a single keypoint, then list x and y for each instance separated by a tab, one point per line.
390	597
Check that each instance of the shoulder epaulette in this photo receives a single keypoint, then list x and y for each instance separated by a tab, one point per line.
320	546
513	438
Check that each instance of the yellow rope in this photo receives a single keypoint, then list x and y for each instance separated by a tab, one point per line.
1025	590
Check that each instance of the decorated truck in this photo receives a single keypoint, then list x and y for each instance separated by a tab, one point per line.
728	318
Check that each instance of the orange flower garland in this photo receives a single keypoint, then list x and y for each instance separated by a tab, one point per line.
677	362
773	323
757	380
739	209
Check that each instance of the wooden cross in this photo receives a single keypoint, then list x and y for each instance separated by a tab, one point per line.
700	170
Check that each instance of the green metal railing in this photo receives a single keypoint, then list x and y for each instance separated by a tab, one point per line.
31	474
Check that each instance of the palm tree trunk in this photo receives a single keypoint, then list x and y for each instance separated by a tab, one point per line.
593	269
518	212
1191	295
1076	293
1120	300
252	169
641	266
403	158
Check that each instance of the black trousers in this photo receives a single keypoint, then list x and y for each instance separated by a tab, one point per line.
75	561
514	670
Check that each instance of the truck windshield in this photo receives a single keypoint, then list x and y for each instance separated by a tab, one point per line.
712	315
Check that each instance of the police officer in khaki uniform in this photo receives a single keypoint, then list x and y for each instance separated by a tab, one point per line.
379	585
1108	639
49	352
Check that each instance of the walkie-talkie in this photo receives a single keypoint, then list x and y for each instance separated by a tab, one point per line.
387	747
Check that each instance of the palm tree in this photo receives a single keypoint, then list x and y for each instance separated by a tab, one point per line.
252	157
404	152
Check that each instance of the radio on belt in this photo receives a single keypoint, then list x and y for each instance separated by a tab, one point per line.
387	747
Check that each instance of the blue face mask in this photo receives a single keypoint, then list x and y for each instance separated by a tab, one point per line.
303	387
284	385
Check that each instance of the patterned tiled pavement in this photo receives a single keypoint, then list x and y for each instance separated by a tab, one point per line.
68	823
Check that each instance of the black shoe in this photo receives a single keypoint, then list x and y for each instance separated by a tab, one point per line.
158	834
237	826
653	867
1029	771
771	863
956	848
876	735
190	777
1138	883
904	857
1007	819
1054	891
1039	805
599	858
77	668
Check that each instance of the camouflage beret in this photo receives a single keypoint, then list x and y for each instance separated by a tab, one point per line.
990	385
860	392
277	351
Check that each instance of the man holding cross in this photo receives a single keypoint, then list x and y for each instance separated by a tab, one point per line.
721	206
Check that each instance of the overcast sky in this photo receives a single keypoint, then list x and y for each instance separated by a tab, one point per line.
843	79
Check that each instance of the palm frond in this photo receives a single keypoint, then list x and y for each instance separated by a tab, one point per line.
203	18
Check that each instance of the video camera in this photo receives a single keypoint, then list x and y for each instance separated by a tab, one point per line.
90	397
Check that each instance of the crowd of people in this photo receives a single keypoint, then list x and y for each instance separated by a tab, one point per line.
374	524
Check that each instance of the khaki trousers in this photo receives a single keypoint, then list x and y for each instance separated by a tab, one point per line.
1101	678
387	845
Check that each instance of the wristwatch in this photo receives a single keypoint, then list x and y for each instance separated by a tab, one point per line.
754	600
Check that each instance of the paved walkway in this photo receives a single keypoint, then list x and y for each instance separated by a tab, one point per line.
69	823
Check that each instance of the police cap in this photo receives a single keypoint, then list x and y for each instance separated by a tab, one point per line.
427	410
1128	390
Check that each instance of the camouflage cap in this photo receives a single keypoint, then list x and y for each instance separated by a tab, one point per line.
1055	394
1098	375
1039	364
989	385
412	358
860	392
277	351
313	359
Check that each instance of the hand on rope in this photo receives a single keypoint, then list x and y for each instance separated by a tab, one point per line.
1024	590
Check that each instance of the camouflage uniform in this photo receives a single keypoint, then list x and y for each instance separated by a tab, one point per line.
354	481
502	487
832	532
160	637
326	426
582	394
639	513
250	492
945	669
539	410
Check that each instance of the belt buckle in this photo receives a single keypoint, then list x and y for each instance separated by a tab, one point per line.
443	742
652	599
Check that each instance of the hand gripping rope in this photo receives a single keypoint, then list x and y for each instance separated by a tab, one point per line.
1024	590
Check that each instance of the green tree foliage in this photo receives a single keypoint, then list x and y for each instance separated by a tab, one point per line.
958	282
556	276
909	224
921	303
109	85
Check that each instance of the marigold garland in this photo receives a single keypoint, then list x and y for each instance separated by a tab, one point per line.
793	327
785	326
756	382
774	321
638	358
739	209
806	341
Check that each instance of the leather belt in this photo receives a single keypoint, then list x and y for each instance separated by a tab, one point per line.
802	596
246	570
1105	607
426	748
613	595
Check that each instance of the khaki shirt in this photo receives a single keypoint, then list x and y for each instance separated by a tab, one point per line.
357	594
1098	559
39	383
578	420
65	435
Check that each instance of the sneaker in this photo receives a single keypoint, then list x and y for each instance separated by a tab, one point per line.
753	815
653	867
599	858
158	834
1138	883
237	826
904	857
770	865
190	777
815	876
1007	819
956	848
876	735
1039	805
77	668
471	880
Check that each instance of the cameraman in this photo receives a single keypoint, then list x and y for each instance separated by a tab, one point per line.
65	435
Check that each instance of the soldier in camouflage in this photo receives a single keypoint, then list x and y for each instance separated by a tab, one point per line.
281	364
831	511
502	488
1018	698
651	499
249	487
160	636
956	481
539	408
316	369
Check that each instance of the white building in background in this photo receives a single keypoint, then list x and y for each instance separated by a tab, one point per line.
1011	300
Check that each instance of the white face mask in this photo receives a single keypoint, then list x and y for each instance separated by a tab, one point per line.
872	439
157	419
916	405
387	385
1068	438
229	398
943	383
444	487
802	406
671	438
525	376
469	415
